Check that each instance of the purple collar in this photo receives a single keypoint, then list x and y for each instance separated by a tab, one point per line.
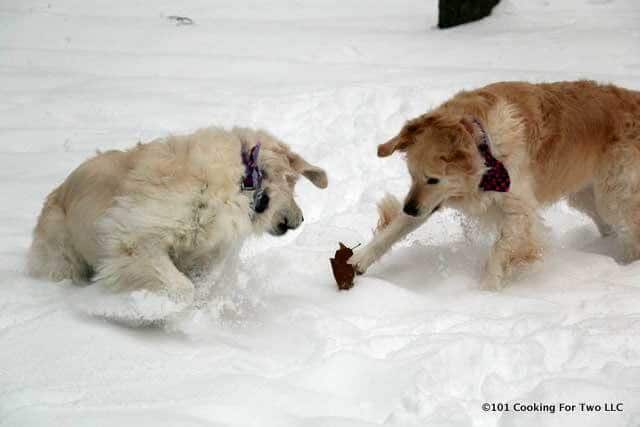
496	177
252	179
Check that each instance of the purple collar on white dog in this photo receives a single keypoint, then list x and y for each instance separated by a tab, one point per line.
252	179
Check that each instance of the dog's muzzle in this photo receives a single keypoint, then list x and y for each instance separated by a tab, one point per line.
286	225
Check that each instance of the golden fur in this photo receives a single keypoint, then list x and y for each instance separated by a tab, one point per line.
154	216
579	140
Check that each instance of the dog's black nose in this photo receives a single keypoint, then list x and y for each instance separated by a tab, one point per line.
411	208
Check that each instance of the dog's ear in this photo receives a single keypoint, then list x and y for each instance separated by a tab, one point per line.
396	143
467	125
460	160
315	174
407	135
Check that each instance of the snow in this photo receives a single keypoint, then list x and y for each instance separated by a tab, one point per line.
415	342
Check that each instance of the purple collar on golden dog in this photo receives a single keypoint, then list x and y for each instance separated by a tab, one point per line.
496	178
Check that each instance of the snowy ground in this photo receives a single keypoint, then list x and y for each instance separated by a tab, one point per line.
415	342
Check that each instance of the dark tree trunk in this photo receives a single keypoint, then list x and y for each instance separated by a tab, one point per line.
456	12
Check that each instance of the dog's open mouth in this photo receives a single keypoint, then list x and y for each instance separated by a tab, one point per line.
280	229
283	227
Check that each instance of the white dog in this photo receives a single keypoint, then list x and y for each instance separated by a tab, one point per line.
154	216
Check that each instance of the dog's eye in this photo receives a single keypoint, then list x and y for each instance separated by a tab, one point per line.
432	180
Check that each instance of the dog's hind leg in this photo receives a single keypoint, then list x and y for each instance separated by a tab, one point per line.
144	267
585	201
519	243
52	254
617	192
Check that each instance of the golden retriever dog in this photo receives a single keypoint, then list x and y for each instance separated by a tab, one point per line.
504	151
153	217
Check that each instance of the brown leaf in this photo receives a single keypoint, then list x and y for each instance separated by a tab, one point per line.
342	271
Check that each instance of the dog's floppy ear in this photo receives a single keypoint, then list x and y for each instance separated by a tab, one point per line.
467	124
406	137
315	174
396	143
460	160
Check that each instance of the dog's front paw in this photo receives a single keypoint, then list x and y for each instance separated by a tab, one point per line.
362	260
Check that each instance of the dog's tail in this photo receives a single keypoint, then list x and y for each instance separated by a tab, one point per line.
388	209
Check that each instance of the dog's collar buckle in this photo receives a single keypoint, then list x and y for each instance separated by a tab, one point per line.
496	177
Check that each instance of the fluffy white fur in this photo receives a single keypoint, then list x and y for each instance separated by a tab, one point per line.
157	215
